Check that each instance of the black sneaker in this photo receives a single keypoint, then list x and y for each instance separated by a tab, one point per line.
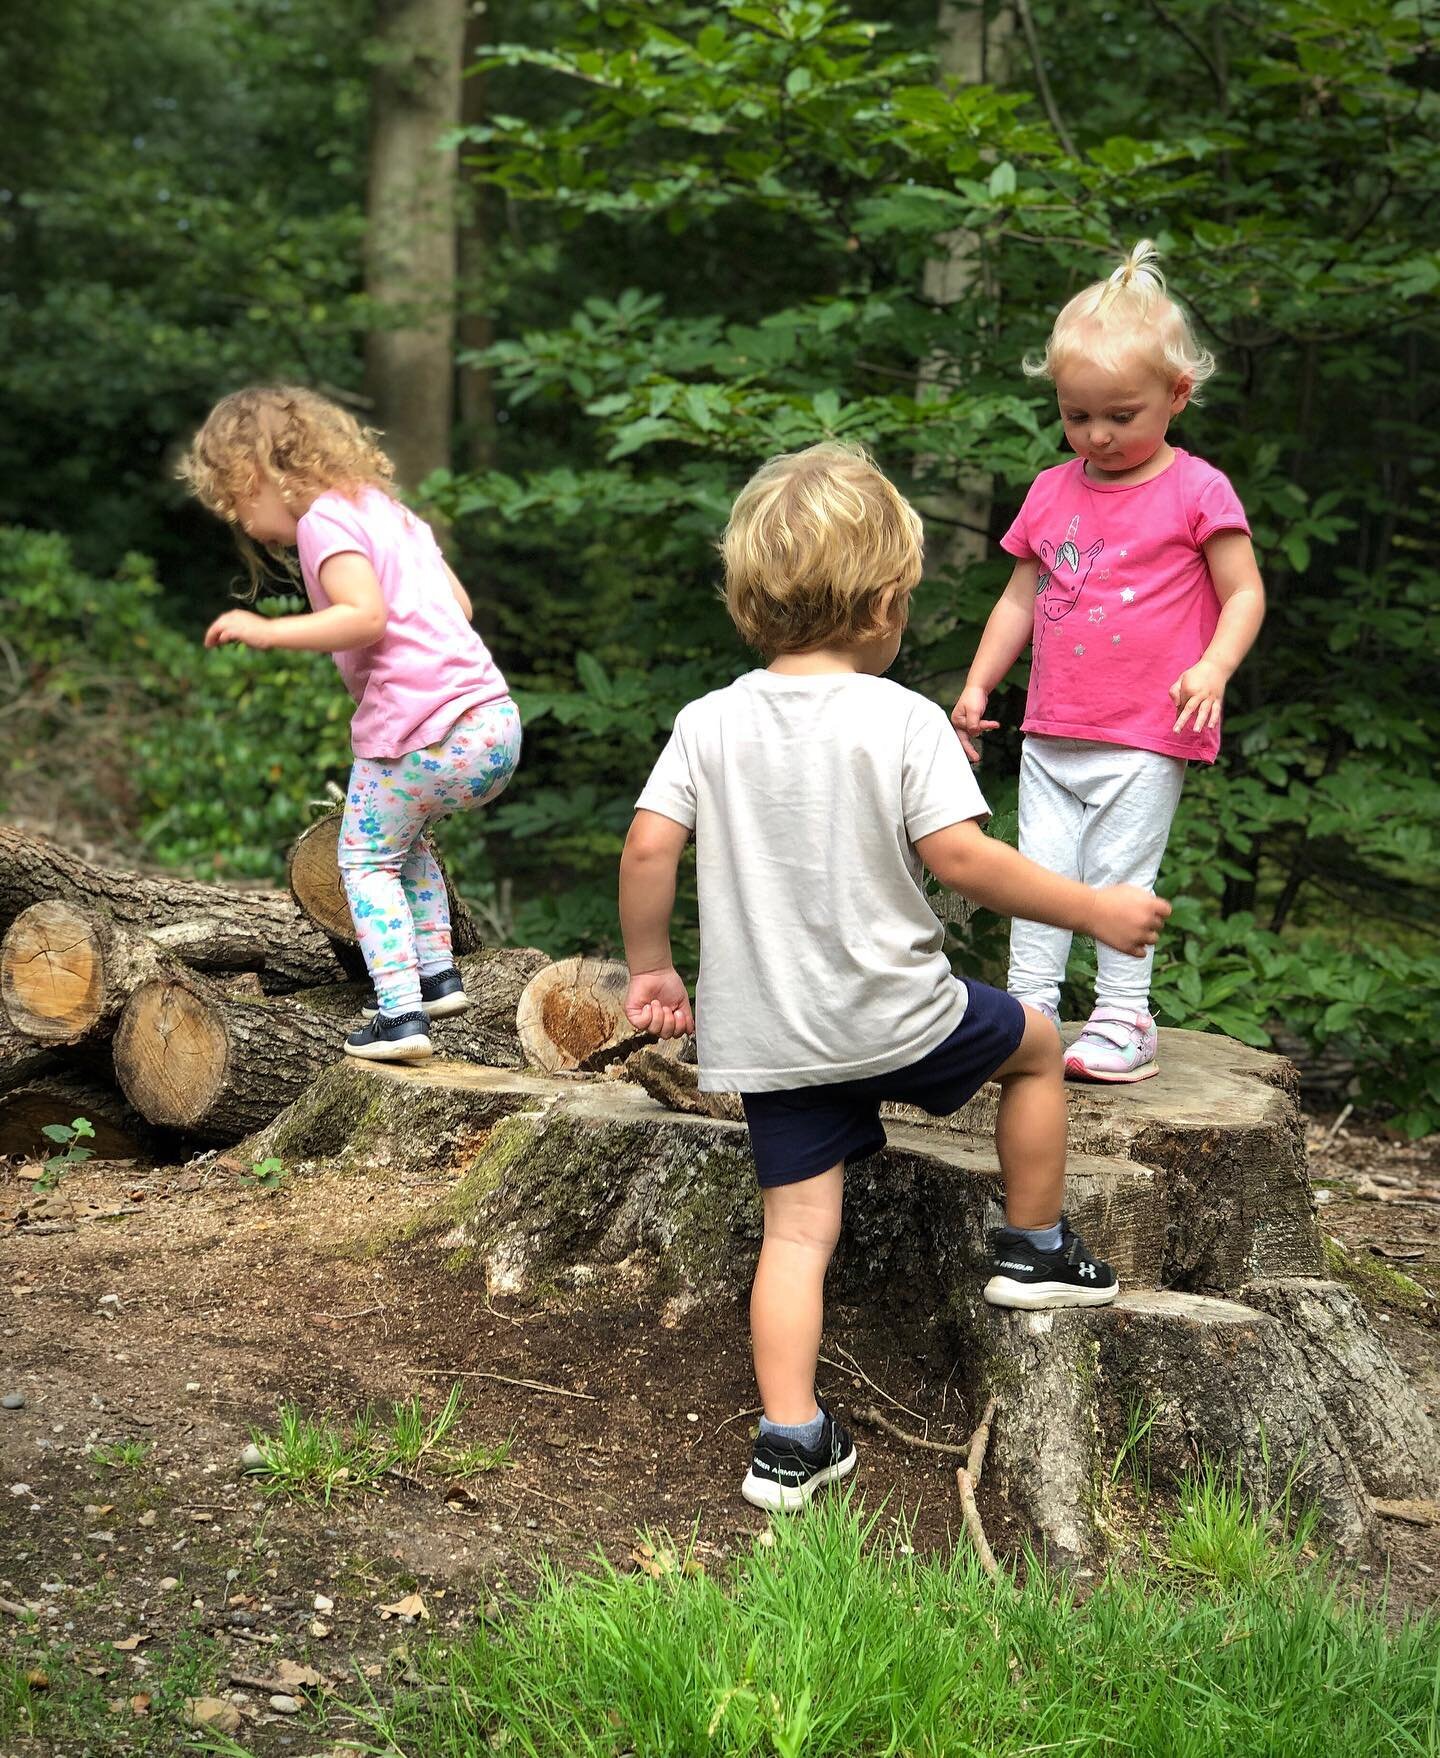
783	1475
401	1039
440	996
1024	1277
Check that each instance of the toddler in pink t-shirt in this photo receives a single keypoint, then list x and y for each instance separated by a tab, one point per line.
1136	582
434	729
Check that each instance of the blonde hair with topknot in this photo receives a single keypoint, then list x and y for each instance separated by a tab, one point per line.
1129	313
816	540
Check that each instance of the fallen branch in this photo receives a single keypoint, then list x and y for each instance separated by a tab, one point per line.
967	1477
529	1385
851	1365
873	1417
16	1610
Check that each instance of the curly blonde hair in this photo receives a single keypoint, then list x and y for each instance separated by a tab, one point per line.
1128	313
816	540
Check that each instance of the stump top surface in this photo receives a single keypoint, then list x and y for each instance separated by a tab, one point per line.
1190	1309
1203	1079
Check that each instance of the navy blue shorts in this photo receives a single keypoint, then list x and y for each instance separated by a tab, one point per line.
803	1131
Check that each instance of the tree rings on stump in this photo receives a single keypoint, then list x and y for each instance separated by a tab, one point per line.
312	871
52	973
572	1015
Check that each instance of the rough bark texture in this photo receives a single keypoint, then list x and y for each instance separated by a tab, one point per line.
297	955
194	1057
120	1132
21	1058
1368	1398
572	1015
676	1085
1227	1382
312	872
410	250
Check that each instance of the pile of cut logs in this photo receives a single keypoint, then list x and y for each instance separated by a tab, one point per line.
168	1011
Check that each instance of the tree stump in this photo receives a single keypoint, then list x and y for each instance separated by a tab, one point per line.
192	1057
296	954
312	871
572	1015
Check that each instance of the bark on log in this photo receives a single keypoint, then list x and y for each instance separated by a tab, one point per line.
191	1056
573	1014
25	1112
297	954
312	872
21	1058
66	972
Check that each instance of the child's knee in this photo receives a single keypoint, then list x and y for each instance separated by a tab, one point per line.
1039	1054
805	1214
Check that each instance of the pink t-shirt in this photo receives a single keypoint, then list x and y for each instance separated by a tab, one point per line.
1125	601
429	666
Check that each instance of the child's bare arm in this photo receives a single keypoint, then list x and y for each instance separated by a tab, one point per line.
657	1000
355	616
991	873
462	597
1201	690
1007	630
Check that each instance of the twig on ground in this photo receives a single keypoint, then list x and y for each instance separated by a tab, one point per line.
967	1476
16	1610
1336	1127
529	1385
873	1417
340	1317
851	1365
754	1410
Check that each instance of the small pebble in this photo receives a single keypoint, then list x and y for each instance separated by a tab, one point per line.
167	1584
283	1705
192	1385
13	1401
323	1603
251	1458
20	1489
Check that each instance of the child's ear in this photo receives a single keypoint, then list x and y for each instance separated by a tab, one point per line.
1181	392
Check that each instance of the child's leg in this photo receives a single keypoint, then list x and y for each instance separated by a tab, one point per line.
380	824
1122	842
1030	1127
787	1301
472	764
1050	816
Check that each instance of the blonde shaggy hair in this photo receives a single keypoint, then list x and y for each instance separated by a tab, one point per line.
1129	313
816	540
295	438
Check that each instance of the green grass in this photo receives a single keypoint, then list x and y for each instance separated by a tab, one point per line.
833	1643
123	1455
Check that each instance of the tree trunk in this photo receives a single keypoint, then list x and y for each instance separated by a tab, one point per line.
476	328
26	1111
572	1015
192	1057
182	915
410	231
312	872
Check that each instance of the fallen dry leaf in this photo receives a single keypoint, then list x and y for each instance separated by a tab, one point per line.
212	1712
459	1495
140	1703
130	1644
291	1672
412	1606
656	1564
37	1680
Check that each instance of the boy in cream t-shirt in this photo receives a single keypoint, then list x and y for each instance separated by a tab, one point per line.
817	792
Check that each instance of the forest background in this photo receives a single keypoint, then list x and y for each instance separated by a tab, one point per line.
587	264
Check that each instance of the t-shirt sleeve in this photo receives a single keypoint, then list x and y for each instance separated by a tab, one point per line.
1016	540
1216	507
333	526
670	790
938	786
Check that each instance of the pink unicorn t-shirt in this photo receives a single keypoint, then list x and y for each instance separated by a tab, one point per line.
429	667
1125	601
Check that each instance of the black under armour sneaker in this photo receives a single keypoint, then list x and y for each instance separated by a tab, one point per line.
783	1475
402	1038
1069	1276
440	996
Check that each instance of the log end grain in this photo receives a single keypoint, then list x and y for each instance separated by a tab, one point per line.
313	875
570	1012
171	1054
52	973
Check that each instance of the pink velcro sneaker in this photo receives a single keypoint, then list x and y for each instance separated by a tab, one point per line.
1116	1045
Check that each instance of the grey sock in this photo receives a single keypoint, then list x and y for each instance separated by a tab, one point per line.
1042	1238
807	1433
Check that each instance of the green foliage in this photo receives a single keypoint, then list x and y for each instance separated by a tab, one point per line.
828	1635
267	1174
68	1137
122	1455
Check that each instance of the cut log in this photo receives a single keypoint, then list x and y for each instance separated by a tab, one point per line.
21	1058
312	872
297	955
26	1111
572	1015
66	972
191	1056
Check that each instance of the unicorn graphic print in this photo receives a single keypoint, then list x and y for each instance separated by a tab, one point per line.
1063	575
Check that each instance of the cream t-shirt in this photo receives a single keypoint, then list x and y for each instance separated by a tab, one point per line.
820	958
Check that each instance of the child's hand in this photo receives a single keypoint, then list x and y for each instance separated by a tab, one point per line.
657	1002
1128	918
968	719
243	626
1199	691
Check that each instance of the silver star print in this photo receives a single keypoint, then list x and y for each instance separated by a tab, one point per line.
1127	596
1079	650
1097	614
1114	640
1124	552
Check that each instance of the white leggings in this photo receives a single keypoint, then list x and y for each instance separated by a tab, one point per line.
1100	813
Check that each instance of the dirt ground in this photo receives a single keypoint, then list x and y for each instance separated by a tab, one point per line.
179	1307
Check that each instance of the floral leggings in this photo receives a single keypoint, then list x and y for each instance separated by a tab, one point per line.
396	891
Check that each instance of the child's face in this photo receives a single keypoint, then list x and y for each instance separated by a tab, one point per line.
1115	417
263	514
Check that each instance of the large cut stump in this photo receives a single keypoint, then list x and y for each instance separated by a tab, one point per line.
312	871
572	1015
192	1057
182	914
